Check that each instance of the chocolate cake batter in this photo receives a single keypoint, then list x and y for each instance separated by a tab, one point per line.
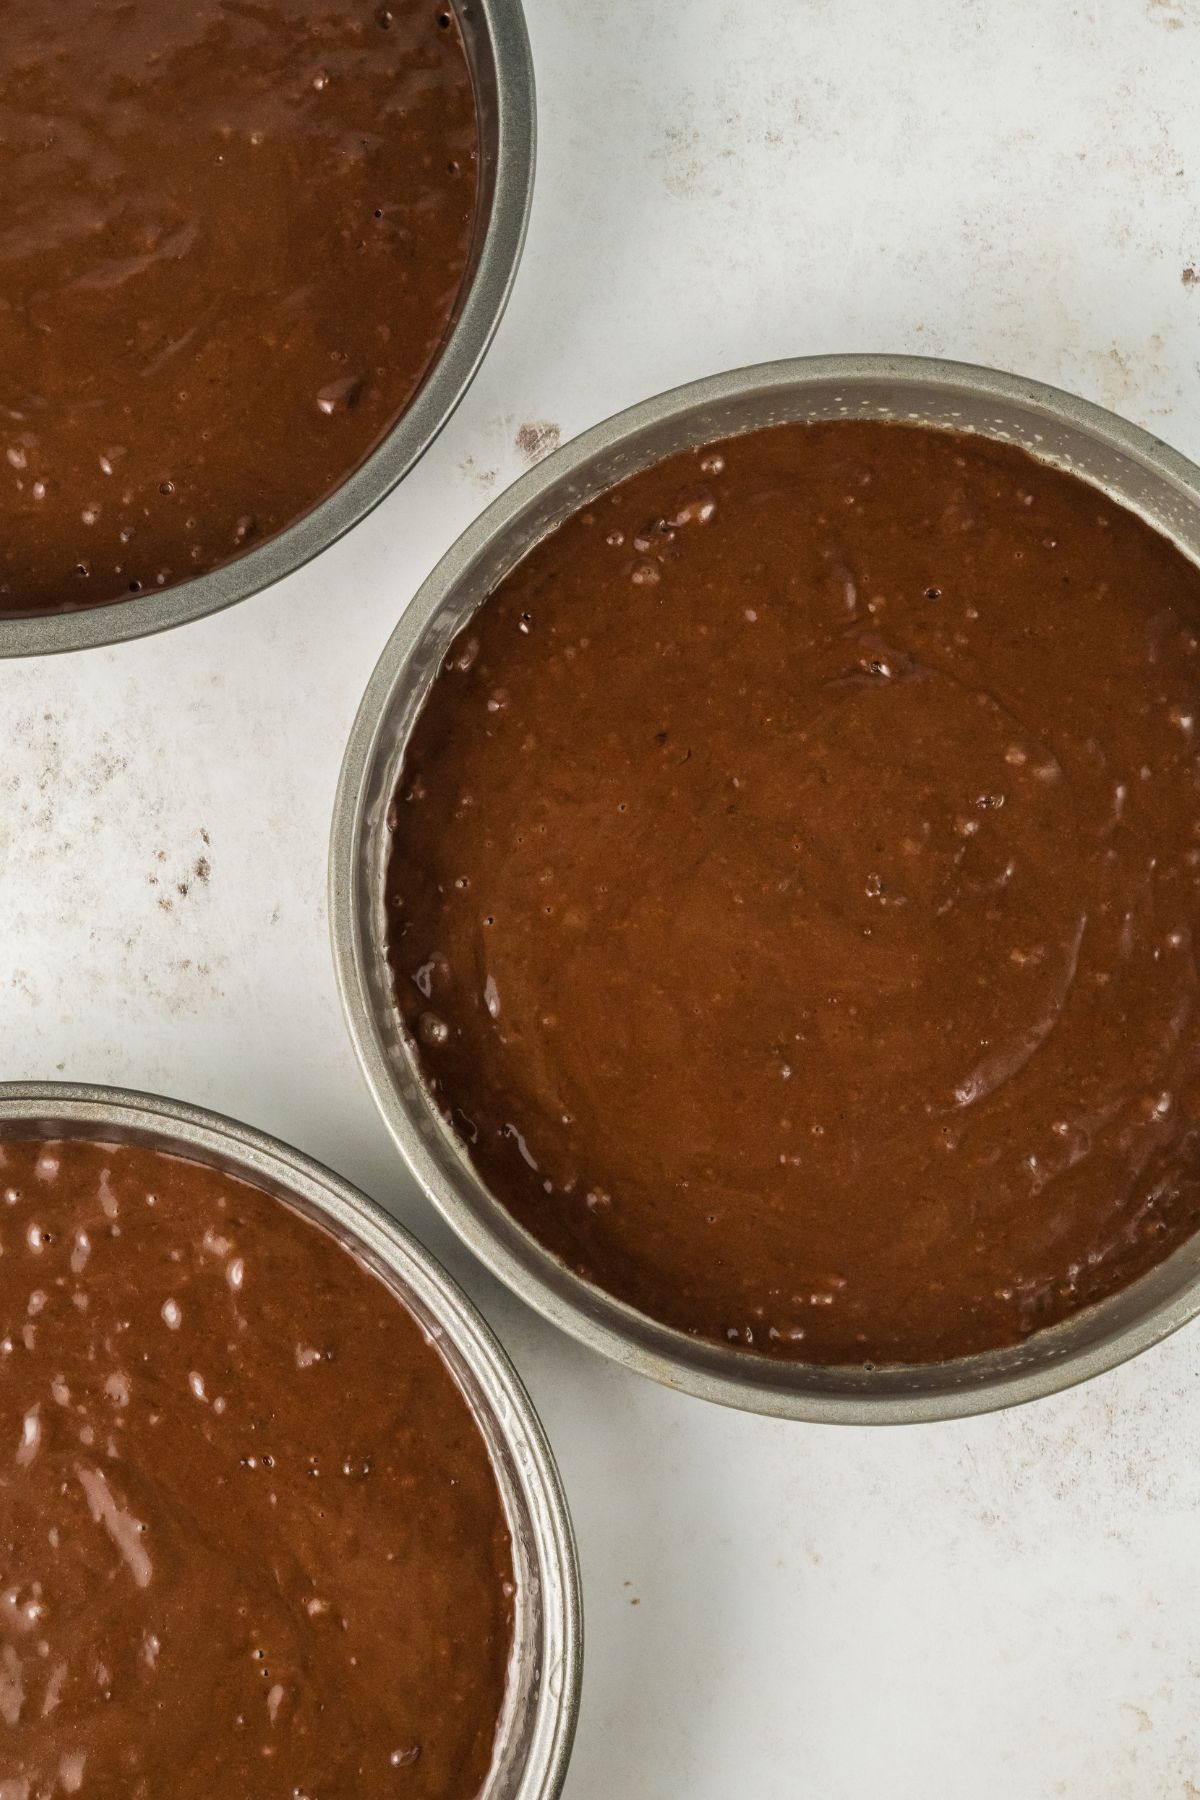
250	1541
795	890
231	240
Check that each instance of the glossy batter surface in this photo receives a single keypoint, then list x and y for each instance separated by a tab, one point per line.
250	1540
795	887
231	240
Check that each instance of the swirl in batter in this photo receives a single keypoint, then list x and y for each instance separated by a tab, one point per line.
794	893
251	1543
232	238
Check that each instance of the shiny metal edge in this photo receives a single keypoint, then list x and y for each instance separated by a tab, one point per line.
503	38
531	1760
1127	463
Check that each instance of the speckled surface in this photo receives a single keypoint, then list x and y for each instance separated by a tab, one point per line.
1001	1609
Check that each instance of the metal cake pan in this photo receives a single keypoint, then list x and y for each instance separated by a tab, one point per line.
537	1727
497	48
1128	464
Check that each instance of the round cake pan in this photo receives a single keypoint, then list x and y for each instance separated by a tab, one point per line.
497	48
1132	467
533	1743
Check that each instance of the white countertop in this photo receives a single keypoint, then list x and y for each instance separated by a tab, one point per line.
1003	1609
